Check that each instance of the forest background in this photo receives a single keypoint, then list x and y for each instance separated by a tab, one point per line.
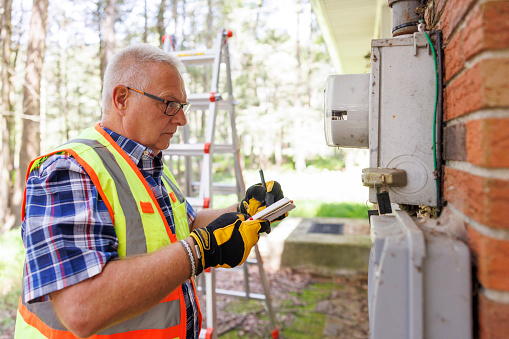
55	52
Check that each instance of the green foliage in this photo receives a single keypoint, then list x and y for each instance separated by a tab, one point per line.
274	37
333	163
12	256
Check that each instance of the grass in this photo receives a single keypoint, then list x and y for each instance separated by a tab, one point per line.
307	322
313	208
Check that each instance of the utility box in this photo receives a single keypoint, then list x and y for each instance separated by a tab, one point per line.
399	122
419	283
401	116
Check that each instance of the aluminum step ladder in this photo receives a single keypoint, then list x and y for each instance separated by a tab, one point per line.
205	188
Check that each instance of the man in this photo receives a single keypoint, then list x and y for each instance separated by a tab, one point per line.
106	228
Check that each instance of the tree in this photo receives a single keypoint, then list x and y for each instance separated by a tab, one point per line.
107	47
161	29
31	135
6	165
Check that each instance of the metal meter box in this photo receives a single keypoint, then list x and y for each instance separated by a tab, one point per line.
419	282
346	110
398	126
401	116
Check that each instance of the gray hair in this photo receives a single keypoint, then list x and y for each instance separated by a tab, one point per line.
128	67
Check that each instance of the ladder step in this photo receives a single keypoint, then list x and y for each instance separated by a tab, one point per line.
217	188
240	294
199	202
197	56
201	101
197	149
195	98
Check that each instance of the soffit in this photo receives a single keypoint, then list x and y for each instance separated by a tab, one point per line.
348	27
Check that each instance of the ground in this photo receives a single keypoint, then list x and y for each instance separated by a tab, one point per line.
305	305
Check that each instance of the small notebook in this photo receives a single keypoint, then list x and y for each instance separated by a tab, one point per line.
275	210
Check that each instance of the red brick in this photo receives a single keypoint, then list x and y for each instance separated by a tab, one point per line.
496	17
496	82
454	57
483	199
474	32
487	28
492	257
493	319
485	85
464	94
454	12
488	142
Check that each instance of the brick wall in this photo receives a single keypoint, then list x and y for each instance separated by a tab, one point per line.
476	144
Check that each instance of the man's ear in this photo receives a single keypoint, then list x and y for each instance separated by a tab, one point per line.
119	98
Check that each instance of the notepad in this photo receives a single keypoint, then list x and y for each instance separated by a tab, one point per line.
275	210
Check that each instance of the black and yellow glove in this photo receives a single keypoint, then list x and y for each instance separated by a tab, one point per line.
227	241
257	198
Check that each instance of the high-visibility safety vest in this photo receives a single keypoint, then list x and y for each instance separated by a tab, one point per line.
140	227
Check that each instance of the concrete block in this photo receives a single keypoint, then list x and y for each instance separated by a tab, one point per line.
325	253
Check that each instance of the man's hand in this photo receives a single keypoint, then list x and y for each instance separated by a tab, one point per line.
227	241
257	198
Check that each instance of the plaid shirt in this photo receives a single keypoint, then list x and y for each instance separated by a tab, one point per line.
68	232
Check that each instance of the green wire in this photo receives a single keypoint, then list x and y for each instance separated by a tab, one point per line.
435	112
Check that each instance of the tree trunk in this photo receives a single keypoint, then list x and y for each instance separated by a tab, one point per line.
145	31
31	137
300	161
174	11
6	165
108	36
161	29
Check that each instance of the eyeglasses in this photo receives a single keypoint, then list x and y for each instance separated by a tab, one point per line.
172	107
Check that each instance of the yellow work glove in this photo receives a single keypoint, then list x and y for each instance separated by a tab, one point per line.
257	198
227	241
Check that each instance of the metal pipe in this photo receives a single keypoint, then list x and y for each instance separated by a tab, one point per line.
405	16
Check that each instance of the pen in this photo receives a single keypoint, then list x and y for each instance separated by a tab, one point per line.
262	178
269	197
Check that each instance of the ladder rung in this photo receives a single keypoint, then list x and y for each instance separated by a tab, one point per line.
203	100
218	188
197	149
199	202
241	294
198	56
224	188
196	98
221	105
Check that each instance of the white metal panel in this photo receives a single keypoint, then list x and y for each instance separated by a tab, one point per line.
418	280
401	122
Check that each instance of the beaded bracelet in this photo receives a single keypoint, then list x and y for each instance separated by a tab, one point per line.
199	267
191	257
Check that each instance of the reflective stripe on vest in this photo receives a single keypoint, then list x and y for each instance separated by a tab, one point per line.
139	230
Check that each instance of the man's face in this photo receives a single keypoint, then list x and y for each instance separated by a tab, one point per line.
144	120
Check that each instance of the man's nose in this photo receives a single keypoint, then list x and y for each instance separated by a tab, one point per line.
179	119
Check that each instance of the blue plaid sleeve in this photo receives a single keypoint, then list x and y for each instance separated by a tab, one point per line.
191	213
67	230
